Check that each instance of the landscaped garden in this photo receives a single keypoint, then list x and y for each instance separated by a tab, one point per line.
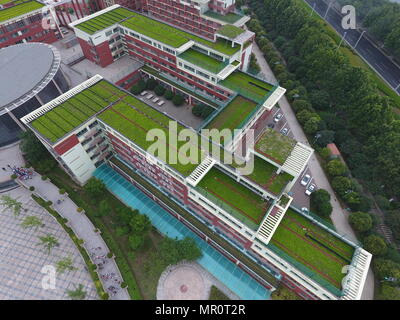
312	249
18	10
233	115
248	86
233	197
275	145
203	61
230	31
229	17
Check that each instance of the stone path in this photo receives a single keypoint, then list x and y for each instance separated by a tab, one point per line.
84	229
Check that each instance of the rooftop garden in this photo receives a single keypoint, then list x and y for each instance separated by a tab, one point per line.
234	113
172	36
233	197
203	61
312	249
230	31
275	145
104	20
70	114
133	118
265	175
19	10
228	18
247	85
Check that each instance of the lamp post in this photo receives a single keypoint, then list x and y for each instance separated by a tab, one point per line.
344	36
327	10
362	33
313	9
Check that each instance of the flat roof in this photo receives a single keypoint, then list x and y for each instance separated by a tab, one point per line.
228	18
19	10
233	197
104	20
315	251
275	145
22	69
203	61
230	31
247	85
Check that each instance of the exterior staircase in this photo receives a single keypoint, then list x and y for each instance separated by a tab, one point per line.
200	171
297	159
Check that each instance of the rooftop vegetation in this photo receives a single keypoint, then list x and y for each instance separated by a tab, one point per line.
275	145
233	115
230	31
19	10
203	61
233	197
70	114
248	86
229	17
104	20
321	254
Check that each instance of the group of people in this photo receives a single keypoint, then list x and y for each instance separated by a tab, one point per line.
22	173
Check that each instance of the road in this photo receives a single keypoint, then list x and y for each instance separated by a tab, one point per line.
339	215
389	71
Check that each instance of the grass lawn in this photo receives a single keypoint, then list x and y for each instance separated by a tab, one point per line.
233	114
203	60
248	86
230	31
18	10
264	174
216	294
229	18
235	198
319	251
275	145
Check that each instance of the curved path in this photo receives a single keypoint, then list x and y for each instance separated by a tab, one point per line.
84	229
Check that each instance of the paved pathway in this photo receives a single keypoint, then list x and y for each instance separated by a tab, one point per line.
339	215
84	229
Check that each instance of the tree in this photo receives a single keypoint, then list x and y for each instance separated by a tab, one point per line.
311	125
78	293
178	100
336	168
174	250
283	293
360	221
96	188
341	185
66	264
31	222
388	292
325	137
151	84
159	90
135	241
48	242
33	150
320	203
11	204
168	95
103	209
140	224
300	105
138	87
384	268
197	110
189	249
375	245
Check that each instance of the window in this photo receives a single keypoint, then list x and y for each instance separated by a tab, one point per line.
81	132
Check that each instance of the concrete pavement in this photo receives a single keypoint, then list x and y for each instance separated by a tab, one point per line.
339	215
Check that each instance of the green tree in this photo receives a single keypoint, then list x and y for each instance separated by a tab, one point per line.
138	87
283	293
33	150
31	222
375	245
151	84
10	203
325	137
320	203
140	224
178	100
66	264
159	90
311	125
168	95
103	209
387	292
135	241
78	293
336	168
95	188
341	185
360	221
384	268
48	242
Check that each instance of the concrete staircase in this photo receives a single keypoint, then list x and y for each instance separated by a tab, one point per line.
269	225
200	171
297	159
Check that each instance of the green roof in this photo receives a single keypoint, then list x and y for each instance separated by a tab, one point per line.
247	85
317	252
19	10
203	61
265	175
275	145
70	114
233	197
3	2
233	115
230	31
104	20
228	18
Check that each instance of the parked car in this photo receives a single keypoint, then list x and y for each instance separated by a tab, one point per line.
306	179
285	131
278	117
305	210
310	189
271	125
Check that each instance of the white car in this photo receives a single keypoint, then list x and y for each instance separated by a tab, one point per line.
285	131
278	117
310	189
305	210
306	179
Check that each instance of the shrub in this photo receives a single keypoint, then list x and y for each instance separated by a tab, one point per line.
110	255
360	221
178	100
325	153
79	209
44	177
151	84
124	284
61	191
49	203
138	88
320	202
375	245
104	296
336	168
159	90
13	176
341	185
168	95
31	188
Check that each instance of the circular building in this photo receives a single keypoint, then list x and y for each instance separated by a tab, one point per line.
30	76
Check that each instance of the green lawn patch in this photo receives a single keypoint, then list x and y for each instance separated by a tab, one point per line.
216	294
203	61
233	197
321	254
247	85
230	31
228	18
19	10
275	145
233	114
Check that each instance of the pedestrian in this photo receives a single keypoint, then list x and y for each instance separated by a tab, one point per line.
4	169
